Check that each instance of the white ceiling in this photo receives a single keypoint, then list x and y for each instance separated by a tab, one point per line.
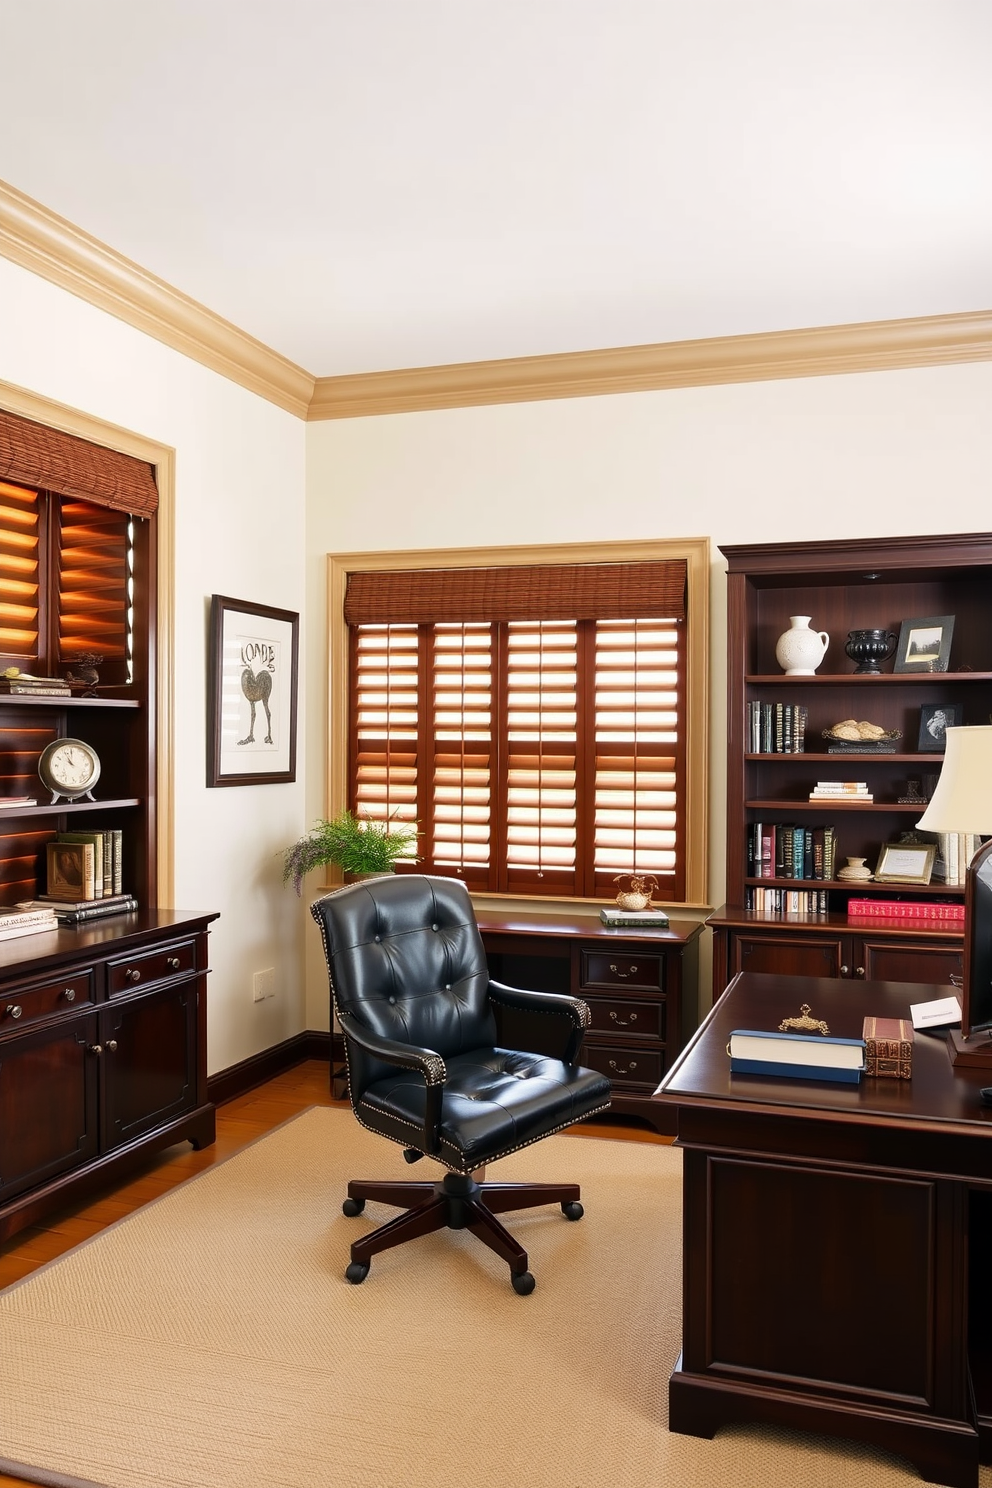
371	184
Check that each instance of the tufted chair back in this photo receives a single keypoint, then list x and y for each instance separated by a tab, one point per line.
406	959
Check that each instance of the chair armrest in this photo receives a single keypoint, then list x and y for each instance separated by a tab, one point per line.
572	1010
407	1056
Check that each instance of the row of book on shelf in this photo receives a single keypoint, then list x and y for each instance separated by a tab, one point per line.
84	882
776	728
955	851
769	901
787	850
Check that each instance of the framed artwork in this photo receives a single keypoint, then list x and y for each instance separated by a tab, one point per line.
924	645
935	718
252	699
900	862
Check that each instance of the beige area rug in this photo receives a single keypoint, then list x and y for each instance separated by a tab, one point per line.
211	1341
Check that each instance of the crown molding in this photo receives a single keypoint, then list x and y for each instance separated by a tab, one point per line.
48	245
869	346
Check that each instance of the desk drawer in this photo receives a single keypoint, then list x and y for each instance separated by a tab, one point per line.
643	1018
616	970
147	968
74	990
625	1066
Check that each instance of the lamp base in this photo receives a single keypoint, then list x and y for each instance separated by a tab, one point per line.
971	1053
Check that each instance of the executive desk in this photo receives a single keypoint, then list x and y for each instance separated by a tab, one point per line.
826	1238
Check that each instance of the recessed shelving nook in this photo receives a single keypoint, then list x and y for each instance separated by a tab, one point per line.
803	926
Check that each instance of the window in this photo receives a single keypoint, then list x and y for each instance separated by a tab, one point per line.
535	719
68	551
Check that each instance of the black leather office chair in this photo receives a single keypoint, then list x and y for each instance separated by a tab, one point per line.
413	996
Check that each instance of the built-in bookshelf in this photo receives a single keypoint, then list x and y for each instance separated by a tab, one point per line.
777	749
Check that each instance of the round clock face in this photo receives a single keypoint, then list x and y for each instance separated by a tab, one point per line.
69	767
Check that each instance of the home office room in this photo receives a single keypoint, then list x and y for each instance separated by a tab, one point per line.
494	551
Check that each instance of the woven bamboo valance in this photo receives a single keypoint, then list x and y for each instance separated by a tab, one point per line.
33	455
548	591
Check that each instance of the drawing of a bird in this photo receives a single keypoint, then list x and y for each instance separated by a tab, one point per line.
257	688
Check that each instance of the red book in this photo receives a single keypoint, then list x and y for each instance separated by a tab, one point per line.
888	1048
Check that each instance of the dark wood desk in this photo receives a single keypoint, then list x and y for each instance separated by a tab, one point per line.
826	1238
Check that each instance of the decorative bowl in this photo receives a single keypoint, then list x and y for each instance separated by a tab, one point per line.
868	648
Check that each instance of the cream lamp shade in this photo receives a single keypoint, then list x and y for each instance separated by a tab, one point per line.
962	801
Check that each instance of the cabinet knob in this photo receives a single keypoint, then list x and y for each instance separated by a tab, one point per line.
172	962
845	971
112	1045
96	1049
623	1022
14	1010
69	994
859	971
132	974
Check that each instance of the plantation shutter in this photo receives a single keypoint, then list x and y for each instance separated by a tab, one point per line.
530	720
20	579
93	591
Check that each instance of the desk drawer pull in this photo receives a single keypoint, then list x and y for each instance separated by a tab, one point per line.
14	1010
69	994
623	1022
631	1067
173	963
631	971
132	974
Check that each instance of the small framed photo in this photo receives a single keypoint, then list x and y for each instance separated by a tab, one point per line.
935	719
254	655
924	645
900	862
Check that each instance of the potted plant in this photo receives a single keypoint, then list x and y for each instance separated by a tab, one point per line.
358	845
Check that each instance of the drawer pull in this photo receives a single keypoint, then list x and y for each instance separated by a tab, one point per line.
132	974
173	963
14	1010
628	1071
112	1045
96	1049
632	971
69	994
624	1022
859	971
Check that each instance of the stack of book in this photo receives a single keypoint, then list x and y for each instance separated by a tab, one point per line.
22	684
955	851
656	918
17	803
78	911
841	790
20	921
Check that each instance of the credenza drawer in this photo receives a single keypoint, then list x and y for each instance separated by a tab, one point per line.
625	1065
41	1001
131	972
612	969
643	1017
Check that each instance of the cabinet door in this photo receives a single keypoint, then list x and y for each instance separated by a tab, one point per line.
149	1063
818	955
908	961
48	1103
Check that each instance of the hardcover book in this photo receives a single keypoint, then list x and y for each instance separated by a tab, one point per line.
796	1056
70	870
656	918
889	1048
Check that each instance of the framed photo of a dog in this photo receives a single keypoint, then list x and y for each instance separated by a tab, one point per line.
252	698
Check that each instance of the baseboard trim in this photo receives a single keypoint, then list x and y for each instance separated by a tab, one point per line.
248	1074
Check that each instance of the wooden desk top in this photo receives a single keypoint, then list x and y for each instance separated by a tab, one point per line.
937	1098
581	927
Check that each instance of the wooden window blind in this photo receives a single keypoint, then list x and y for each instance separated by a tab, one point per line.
541	753
21	619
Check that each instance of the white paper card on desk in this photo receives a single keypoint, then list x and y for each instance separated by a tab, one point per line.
941	1013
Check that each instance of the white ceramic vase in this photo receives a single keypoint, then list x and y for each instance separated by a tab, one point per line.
856	869
800	650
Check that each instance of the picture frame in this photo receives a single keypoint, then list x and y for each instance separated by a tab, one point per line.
924	644
253	679
906	863
935	719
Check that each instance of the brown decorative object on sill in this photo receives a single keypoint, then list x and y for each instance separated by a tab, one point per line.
888	1048
85	672
638	891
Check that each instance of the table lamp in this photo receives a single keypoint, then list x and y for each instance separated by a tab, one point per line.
962	802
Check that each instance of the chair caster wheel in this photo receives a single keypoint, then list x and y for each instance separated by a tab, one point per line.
357	1272
352	1207
411	1154
523	1283
573	1210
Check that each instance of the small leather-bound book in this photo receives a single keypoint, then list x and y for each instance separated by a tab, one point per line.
889	1048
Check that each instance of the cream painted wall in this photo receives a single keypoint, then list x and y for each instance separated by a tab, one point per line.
240	525
870	455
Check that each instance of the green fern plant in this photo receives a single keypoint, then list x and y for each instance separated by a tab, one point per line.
355	844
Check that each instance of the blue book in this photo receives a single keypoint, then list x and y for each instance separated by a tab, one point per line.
796	1056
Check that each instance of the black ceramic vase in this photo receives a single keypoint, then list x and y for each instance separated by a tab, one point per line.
868	648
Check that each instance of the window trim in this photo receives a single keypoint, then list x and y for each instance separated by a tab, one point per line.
696	553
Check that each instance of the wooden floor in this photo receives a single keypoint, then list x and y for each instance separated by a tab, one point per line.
239	1122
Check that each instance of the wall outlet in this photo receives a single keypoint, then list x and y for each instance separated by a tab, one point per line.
263	984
